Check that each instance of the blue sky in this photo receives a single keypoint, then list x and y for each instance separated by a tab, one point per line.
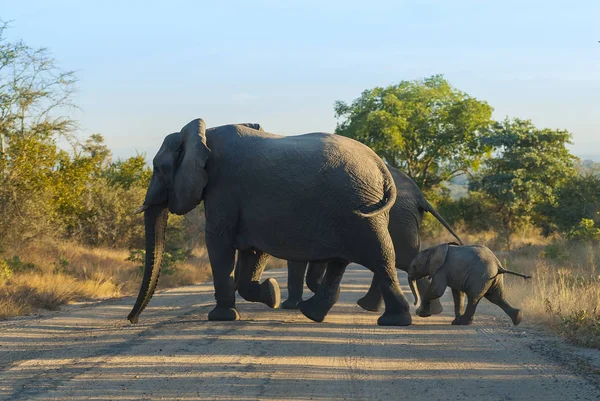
147	68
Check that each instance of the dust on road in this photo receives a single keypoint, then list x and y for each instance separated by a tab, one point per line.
174	353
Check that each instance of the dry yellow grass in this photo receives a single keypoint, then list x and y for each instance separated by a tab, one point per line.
564	293
66	272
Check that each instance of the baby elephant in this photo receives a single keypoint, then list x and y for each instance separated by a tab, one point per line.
472	269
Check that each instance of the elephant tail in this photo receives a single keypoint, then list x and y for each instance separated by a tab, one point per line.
386	202
428	208
502	270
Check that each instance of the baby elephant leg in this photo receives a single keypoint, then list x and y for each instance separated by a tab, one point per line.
467	317
434	291
435	306
496	296
459	299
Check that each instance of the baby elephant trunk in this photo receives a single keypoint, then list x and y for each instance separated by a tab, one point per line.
412	283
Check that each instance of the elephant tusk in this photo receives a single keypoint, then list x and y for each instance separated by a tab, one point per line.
141	209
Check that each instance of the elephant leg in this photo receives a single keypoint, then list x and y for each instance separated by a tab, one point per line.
467	318
251	266
295	284
315	274
435	305
373	299
434	291
459	299
496	296
397	310
222	257
317	306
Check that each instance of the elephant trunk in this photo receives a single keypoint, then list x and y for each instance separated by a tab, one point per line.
155	221
412	283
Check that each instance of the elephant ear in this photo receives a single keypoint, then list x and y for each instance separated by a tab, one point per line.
190	177
437	257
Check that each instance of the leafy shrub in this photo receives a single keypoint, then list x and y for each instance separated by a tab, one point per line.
586	231
476	211
61	266
18	266
582	327
577	199
5	271
556	252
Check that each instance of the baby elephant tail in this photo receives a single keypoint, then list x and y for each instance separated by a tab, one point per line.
502	270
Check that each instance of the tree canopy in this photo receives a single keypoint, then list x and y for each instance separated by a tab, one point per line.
427	128
525	171
45	190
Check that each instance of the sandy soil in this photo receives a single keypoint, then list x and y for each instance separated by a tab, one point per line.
93	353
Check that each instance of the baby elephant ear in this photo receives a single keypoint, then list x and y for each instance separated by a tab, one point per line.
437	258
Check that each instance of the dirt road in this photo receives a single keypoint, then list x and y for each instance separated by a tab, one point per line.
92	353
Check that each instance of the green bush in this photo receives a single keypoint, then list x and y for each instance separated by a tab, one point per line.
582	327
5	271
585	231
18	266
476	211
61	266
577	199
556	252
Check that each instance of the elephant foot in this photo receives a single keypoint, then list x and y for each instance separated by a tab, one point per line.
423	312
313	309
220	313
370	304
269	293
460	321
435	308
290	303
516	316
395	319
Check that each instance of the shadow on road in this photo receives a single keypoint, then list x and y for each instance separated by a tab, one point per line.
92	353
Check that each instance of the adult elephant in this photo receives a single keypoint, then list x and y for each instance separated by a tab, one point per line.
315	197
405	221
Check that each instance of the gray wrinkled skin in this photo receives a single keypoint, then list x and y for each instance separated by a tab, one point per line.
405	220
315	197
473	270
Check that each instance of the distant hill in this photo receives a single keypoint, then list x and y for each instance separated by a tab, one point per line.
589	166
594	158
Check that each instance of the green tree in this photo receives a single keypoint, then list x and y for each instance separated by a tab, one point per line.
578	198
26	190
527	167
33	92
130	172
47	191
427	128
74	176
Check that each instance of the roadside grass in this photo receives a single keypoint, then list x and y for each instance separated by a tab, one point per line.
45	275
564	293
